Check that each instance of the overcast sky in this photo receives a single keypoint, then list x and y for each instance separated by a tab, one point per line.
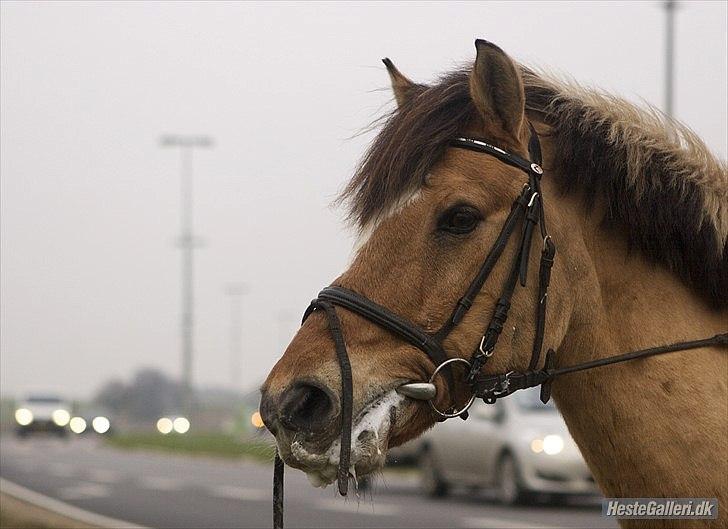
90	203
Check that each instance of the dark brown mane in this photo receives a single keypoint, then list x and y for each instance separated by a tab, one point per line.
660	185
412	140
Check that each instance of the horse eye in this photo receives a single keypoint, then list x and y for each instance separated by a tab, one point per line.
459	219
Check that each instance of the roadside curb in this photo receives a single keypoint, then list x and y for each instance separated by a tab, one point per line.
62	508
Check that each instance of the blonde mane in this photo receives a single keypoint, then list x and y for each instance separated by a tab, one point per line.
661	186
643	135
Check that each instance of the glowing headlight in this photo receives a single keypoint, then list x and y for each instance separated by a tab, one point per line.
77	425
164	425
257	420
23	416
100	424
181	425
61	417
537	446
553	444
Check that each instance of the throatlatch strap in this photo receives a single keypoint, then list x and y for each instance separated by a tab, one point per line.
544	277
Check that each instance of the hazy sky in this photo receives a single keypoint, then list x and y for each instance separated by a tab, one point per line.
90	203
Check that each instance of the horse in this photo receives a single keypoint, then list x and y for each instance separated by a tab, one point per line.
638	206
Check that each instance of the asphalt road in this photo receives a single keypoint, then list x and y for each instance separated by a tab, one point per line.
170	491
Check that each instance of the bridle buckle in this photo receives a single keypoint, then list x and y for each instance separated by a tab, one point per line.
500	389
505	385
487	353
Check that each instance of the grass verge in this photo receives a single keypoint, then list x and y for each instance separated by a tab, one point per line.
201	444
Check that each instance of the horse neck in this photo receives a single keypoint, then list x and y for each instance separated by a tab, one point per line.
629	420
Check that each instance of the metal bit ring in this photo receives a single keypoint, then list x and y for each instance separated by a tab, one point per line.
450	415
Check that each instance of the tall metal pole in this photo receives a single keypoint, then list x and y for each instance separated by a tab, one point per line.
670	6
187	245
236	292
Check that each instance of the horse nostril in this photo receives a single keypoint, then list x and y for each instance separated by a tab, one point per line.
306	407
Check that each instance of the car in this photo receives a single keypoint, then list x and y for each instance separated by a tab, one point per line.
38	414
517	446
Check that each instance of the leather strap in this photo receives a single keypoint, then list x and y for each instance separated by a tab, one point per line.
386	319
347	388
278	470
544	278
476	285
492	387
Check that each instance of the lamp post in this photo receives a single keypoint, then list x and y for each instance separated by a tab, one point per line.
670	7
187	243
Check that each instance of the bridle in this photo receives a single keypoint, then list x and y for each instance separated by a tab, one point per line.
527	212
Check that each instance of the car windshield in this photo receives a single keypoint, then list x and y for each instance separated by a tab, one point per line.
530	400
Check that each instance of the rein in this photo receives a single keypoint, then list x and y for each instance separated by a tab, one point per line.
527	211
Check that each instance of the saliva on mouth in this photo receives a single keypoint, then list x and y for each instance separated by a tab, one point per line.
369	437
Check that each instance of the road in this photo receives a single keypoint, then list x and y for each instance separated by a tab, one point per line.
170	491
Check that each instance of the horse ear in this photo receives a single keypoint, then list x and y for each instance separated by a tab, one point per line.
496	88
401	85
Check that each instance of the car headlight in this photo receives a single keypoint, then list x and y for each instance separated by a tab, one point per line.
77	425
181	425
550	445
553	444
164	425
61	417
23	416
101	424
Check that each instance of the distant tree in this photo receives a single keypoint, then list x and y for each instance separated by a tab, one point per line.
113	395
150	395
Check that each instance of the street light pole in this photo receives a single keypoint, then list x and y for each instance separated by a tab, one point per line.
670	6
186	145
235	292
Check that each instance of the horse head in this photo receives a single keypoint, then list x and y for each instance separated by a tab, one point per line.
428	214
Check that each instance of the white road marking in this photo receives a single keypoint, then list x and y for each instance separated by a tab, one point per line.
488	522
239	493
102	475
353	507
64	509
84	491
159	483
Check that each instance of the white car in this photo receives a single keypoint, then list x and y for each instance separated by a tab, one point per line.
518	446
42	414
